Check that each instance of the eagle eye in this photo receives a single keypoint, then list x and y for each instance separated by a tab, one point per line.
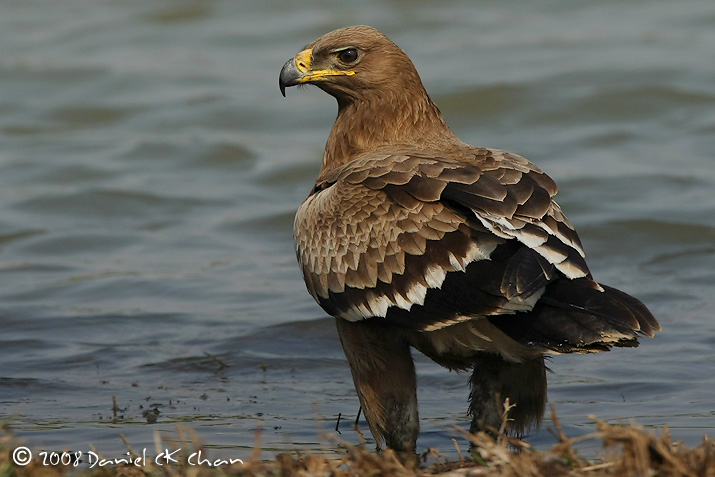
349	55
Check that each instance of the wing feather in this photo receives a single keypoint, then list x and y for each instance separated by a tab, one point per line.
388	235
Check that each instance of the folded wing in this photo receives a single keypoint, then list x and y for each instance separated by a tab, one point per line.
426	242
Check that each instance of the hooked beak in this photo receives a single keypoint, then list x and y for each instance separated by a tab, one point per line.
288	77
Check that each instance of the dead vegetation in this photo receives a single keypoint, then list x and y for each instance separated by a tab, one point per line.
627	451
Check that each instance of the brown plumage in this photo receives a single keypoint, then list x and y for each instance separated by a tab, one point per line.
412	238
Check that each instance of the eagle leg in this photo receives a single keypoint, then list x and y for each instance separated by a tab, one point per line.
493	381
384	375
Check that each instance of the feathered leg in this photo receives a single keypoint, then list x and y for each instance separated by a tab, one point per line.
493	380
384	376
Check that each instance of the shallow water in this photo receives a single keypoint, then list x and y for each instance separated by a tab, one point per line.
150	170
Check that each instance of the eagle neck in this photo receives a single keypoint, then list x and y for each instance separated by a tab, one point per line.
373	121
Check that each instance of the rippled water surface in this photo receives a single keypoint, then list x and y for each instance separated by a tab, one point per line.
150	170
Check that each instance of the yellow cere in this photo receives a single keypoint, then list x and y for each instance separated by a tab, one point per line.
303	60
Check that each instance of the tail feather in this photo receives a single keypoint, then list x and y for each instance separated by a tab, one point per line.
581	315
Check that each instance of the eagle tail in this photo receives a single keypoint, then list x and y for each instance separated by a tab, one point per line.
580	316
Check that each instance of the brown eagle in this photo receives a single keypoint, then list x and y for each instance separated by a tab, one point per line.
413	238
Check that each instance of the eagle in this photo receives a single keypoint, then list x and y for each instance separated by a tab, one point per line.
412	238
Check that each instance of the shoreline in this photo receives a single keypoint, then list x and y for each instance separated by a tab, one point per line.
626	450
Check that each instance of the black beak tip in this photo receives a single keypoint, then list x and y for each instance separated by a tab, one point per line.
289	76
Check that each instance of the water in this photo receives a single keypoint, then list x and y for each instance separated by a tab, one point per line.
150	170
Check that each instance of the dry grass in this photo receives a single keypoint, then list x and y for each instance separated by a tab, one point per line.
628	451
